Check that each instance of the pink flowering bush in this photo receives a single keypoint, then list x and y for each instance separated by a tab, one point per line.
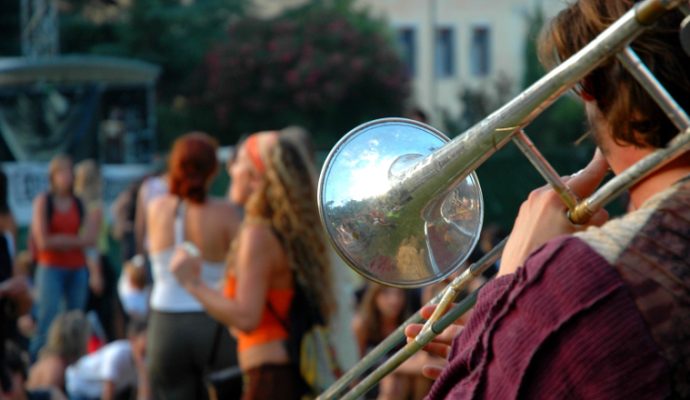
317	67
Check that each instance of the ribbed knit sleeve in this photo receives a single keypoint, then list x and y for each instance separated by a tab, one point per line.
564	326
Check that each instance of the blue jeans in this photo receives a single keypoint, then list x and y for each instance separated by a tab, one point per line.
53	285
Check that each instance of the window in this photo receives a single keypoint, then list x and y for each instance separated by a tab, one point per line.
480	51
444	55
407	39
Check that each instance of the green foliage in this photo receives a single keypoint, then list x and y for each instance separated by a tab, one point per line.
477	103
324	66
165	32
177	119
327	65
533	68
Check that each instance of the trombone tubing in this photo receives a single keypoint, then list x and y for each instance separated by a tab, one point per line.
412	347
632	62
529	150
465	153
398	335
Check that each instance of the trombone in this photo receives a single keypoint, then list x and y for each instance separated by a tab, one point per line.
403	208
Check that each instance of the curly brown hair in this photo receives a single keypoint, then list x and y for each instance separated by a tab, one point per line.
623	102
287	198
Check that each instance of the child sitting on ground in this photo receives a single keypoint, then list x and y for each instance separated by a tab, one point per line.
115	371
67	340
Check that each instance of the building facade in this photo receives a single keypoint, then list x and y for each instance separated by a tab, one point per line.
452	45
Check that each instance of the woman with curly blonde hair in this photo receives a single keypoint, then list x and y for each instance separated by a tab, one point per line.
279	250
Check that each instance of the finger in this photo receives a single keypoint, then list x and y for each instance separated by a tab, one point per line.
585	182
431	371
449	334
426	311
437	349
412	330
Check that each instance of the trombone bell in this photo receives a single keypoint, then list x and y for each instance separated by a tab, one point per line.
379	228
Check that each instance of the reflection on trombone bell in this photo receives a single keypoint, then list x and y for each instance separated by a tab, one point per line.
391	242
616	296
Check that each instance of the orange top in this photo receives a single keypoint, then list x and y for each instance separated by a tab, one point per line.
67	223
270	328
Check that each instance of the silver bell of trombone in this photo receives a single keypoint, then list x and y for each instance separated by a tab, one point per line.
380	229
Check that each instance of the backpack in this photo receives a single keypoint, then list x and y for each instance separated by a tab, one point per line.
50	209
308	344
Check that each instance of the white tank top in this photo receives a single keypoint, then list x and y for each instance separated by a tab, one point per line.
168	295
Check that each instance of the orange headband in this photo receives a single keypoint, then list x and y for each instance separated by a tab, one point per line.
252	146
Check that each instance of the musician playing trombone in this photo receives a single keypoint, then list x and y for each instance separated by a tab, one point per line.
599	311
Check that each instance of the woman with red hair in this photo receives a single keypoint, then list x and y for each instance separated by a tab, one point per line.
183	339
280	254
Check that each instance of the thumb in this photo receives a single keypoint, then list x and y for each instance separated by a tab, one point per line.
586	181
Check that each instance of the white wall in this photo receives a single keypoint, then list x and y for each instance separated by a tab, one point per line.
506	20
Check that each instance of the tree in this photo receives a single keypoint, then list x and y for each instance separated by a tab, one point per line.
533	68
169	33
561	123
324	66
477	103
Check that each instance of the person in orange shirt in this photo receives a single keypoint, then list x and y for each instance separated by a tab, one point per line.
280	249
59	241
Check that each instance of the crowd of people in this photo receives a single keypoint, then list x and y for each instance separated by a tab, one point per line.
204	302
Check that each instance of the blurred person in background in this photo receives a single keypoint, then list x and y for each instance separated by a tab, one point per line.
151	188
8	225
382	310
280	249
14	365
184	342
59	242
15	298
115	371
124	210
133	288
67	341
88	186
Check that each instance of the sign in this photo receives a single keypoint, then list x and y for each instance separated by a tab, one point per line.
26	180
